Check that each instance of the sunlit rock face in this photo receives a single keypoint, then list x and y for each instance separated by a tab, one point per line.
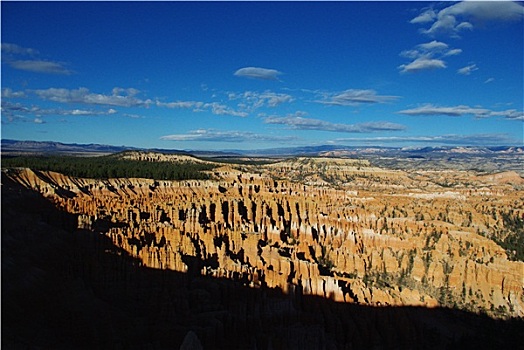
334	228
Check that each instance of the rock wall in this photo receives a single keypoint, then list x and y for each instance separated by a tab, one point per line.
412	243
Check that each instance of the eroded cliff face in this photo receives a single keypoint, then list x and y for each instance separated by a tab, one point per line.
337	229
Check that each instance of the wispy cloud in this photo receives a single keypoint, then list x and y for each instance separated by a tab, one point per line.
430	49
13	111
354	97
221	109
457	111
12	54
119	97
180	104
13	107
251	100
245	103
511	114
426	16
128	97
489	80
9	93
40	67
454	111
427	56
133	116
468	69
433	46
496	139
421	64
258	73
453	52
464	15
13	49
300	123
8	118
198	106
210	135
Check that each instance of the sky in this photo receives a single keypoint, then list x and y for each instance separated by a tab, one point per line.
256	75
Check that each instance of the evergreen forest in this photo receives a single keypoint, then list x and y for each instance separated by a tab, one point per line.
112	166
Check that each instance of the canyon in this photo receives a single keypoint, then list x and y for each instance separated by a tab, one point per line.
311	230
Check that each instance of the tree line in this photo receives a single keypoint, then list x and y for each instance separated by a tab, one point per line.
105	167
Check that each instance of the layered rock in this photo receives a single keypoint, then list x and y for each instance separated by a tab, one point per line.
340	230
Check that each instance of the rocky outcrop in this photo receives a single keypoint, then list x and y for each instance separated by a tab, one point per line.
340	230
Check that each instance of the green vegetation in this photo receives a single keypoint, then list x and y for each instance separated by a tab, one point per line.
514	235
111	166
325	264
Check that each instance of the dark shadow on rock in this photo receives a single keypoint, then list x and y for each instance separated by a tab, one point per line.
64	288
59	190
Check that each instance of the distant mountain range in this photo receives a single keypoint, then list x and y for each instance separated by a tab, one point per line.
50	147
58	147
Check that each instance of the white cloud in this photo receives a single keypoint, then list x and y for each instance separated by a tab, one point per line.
210	135
380	126
458	17
13	107
511	114
13	49
486	10
133	116
457	111
430	49
128	91
421	64
353	97
453	52
465	25
427	56
269	98
248	102
300	123
79	112
84	96
433	46
468	69
489	80
180	104
425	17
198	106
496	139
410	54
16	109
445	23
12	53
9	93
251	100
258	73
220	109
40	67
129	97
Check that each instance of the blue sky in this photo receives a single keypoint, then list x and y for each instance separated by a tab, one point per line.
251	75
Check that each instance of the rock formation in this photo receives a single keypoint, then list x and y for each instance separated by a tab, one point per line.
334	228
